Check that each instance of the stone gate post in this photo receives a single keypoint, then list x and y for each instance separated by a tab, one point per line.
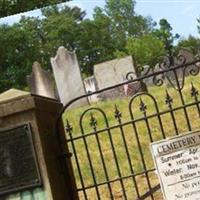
29	152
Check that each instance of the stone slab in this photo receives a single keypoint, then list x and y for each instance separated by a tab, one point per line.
12	94
90	86
113	72
41	82
68	77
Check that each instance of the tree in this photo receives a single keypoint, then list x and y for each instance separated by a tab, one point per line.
147	49
95	42
10	7
125	22
61	28
17	55
164	33
34	39
191	43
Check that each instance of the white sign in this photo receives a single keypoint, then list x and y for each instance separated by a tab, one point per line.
177	161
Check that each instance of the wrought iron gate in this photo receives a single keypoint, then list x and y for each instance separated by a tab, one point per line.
109	141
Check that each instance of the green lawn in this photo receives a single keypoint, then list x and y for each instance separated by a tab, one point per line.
108	107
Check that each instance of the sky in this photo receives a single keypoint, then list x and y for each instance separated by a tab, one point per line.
181	14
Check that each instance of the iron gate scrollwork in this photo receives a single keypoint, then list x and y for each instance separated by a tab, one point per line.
110	148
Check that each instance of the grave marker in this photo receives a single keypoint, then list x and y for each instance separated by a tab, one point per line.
41	82
68	77
113	72
90	86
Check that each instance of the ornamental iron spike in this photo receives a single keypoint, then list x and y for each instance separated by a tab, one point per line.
168	99
68	127
93	121
194	91
118	114
143	106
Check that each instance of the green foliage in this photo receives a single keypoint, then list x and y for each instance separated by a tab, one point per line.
10	7
35	39
61	28
96	44
94	40
17	54
122	14
125	22
164	33
147	49
115	31
191	43
120	54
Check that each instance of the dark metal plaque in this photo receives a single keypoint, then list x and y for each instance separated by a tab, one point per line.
18	164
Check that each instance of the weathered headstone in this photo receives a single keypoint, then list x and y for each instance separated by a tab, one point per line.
113	72
146	71
90	86
189	57
41	82
184	56
68	77
30	166
177	162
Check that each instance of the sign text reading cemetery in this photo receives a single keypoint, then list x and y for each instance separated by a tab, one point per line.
177	162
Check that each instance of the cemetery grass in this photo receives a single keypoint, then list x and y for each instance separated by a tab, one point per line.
109	108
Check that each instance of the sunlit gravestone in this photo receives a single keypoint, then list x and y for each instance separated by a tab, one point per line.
68	77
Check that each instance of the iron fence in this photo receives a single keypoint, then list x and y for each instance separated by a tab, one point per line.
110	149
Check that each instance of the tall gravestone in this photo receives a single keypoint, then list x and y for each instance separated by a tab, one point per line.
30	165
68	77
41	82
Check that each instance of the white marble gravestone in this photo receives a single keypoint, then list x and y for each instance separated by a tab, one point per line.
68	77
